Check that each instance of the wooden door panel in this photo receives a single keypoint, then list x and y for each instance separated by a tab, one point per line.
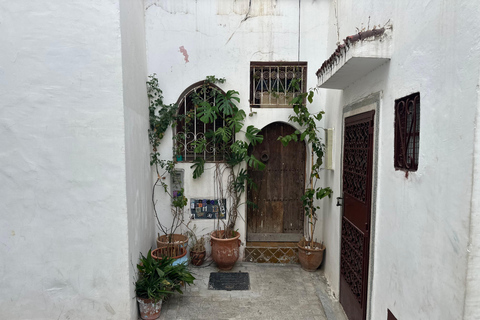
280	186
355	239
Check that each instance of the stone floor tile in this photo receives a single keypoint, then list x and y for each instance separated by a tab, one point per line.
277	292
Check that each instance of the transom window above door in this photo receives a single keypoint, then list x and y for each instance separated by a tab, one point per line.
275	84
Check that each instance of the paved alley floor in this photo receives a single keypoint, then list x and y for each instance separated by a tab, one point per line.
276	292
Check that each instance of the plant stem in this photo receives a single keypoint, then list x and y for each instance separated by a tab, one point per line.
312	224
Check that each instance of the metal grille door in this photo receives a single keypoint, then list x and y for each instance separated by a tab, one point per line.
357	189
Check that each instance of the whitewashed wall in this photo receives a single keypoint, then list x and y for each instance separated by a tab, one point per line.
64	233
422	222
472	294
141	226
188	40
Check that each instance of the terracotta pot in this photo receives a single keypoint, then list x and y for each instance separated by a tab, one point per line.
197	257
178	254
176	240
149	309
310	259
225	252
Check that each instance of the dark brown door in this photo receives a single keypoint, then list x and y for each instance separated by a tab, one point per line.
278	214
357	194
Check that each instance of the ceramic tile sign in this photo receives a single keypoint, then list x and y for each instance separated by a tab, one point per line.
208	208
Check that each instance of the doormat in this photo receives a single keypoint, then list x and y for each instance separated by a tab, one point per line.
229	281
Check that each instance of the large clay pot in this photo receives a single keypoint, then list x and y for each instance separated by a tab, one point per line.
225	252
311	259
149	309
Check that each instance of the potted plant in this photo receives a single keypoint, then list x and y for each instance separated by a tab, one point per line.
173	244
310	252
198	251
227	141
161	118
157	279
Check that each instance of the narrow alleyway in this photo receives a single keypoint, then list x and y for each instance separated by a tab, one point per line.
276	292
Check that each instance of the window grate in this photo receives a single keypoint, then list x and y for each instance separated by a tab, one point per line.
189	128
407	132
275	84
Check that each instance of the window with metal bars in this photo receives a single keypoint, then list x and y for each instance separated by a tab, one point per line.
189	128
275	84
407	132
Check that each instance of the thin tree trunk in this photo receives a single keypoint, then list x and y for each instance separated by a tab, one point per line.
311	210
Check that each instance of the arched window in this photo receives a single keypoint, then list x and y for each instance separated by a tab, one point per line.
190	128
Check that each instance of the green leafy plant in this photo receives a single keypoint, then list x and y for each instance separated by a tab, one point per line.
163	116
159	278
310	134
227	142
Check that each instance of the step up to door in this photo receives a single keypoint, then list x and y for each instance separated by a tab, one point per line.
271	252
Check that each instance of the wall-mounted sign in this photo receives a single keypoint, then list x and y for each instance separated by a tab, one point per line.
208	208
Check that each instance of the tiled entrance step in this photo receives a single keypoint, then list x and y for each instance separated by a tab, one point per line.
271	252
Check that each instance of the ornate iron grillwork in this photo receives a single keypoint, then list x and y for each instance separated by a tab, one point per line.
355	160
351	263
189	128
273	85
407	132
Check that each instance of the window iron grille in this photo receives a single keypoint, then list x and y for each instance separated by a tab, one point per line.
189	128
275	84
407	132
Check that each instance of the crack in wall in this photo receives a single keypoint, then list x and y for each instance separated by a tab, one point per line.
247	16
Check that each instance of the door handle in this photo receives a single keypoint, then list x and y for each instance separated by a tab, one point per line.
339	202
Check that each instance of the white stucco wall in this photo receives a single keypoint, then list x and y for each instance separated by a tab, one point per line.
63	211
141	226
188	40
422	222
472	293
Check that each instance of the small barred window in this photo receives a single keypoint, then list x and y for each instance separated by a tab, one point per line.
407	132
275	84
189	128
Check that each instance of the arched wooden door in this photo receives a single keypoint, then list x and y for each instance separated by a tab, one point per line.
278	214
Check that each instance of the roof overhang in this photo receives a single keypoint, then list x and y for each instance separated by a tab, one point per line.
359	55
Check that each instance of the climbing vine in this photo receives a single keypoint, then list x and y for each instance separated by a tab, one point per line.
310	134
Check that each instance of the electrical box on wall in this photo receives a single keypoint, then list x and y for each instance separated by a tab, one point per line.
329	148
176	183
